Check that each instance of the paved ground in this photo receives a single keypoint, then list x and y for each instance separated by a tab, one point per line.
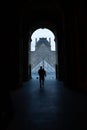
53	107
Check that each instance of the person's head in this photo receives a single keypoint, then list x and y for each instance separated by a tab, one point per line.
40	67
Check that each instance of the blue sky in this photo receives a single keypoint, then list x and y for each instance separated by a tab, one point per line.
46	33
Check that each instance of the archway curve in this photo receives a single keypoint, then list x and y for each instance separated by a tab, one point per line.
43	55
52	19
45	33
43	16
51	27
44	24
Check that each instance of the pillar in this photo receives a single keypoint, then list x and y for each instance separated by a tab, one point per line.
56	70
29	71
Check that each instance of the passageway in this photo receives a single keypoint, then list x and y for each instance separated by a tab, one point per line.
53	107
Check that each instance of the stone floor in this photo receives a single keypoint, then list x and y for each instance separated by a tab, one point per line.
53	107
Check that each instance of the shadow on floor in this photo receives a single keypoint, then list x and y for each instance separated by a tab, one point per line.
53	107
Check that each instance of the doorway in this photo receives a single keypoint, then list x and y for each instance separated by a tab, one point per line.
42	52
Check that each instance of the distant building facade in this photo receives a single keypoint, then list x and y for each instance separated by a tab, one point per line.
43	55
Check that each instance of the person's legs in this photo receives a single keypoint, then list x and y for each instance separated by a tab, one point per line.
41	81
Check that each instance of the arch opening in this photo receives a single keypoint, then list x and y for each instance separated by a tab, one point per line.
43	53
42	33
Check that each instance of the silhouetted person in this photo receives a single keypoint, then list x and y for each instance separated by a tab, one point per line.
42	74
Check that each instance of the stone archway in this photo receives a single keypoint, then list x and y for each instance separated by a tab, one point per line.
51	20
52	28
43	53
